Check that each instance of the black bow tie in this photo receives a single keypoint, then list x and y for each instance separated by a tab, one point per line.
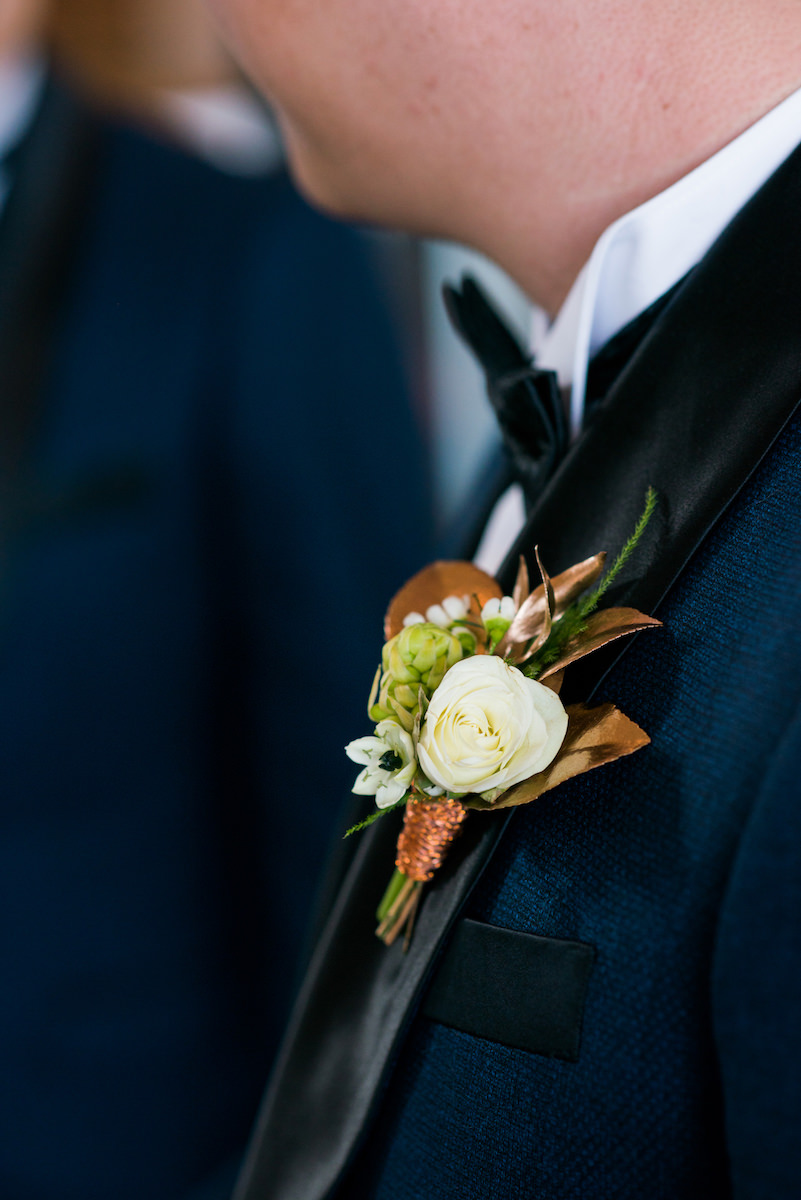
526	400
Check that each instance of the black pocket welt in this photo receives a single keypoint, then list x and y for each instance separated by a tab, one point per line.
525	991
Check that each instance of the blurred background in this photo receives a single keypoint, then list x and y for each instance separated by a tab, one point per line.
192	578
162	58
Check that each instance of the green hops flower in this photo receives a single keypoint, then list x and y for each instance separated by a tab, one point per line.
415	658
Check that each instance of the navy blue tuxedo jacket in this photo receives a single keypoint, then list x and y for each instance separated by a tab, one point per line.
198	399
602	994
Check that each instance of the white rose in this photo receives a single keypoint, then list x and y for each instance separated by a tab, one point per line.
488	727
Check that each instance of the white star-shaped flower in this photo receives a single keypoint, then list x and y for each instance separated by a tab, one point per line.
389	763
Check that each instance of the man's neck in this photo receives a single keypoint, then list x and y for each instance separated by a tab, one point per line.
647	251
641	112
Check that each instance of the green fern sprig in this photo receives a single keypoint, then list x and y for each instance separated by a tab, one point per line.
590	603
574	620
379	812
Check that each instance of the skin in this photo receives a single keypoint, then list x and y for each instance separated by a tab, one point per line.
519	127
20	24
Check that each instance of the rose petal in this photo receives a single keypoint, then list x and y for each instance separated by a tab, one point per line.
489	726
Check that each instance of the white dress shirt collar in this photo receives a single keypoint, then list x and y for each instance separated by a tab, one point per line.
637	260
642	255
227	126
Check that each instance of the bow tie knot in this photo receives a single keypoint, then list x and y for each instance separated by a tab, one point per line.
526	399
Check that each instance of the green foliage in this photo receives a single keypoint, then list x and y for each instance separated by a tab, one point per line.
574	621
590	603
570	625
380	812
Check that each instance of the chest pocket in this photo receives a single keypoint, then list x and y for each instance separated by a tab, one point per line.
519	989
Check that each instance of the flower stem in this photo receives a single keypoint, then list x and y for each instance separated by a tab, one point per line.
401	913
390	895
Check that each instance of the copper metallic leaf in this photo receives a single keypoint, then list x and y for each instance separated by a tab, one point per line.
567	587
522	586
432	585
532	624
602	627
531	621
547	584
554	682
571	583
595	736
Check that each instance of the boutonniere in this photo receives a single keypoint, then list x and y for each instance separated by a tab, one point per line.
467	708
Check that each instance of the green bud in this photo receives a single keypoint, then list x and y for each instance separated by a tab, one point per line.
415	658
496	627
406	695
466	639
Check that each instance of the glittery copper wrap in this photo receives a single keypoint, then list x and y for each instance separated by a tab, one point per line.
429	827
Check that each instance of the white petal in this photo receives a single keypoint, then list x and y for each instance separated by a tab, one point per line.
363	750
488	726
437	616
414	618
507	608
367	783
394	737
455	608
390	792
491	609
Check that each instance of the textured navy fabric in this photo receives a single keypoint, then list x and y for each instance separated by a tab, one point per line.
681	866
162	809
756	986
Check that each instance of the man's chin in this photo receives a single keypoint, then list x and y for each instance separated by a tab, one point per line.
322	181
318	187
343	186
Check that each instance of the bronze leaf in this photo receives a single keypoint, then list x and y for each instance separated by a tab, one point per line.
546	582
434	584
571	583
522	586
554	682
532	621
595	736
602	627
567	587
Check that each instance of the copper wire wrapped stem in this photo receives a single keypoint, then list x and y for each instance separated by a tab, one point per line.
429	827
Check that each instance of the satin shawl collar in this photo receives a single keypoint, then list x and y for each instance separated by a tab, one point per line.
697	408
38	229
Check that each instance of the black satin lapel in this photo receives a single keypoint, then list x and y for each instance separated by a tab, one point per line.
38	230
695	411
697	408
350	1018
